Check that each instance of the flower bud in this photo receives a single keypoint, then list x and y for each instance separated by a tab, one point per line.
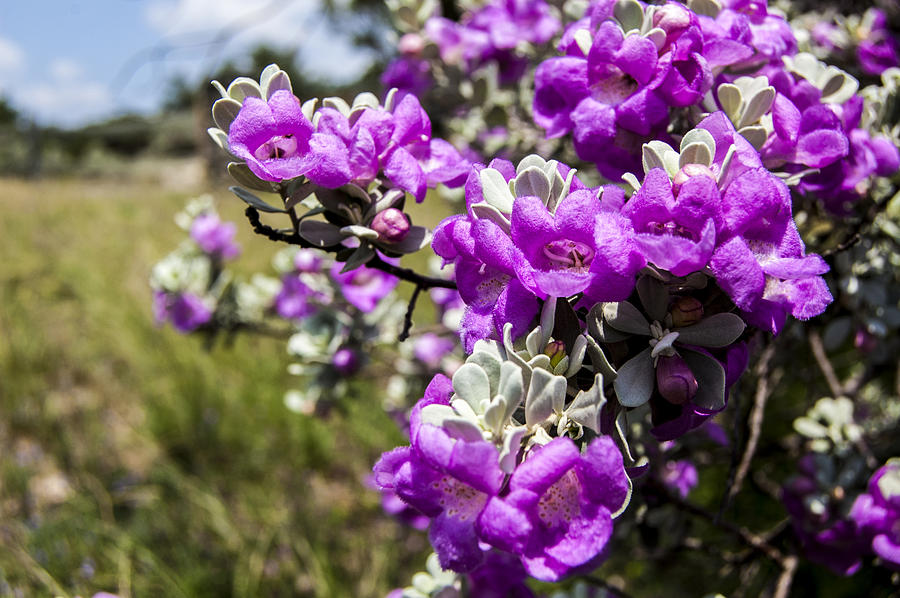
674	379
671	18
345	361
411	44
686	311
690	170
555	350
392	225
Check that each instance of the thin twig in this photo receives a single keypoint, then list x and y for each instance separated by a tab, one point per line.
425	282
407	320
783	585
818	349
755	423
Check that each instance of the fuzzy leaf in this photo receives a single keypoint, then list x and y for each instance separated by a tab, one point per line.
625	317
244	176
224	112
546	395
471	384
496	191
717	330
710	380
635	380
533	181
254	201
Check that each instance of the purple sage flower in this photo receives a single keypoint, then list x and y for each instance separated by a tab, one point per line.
363	287
185	311
877	513
214	236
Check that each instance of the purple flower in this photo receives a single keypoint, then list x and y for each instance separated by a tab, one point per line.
877	513
557	515
363	287
430	349
295	299
680	476
214	236
272	137
408	74
878	49
185	311
446	477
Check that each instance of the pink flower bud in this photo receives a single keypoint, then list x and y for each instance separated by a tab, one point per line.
674	379
345	361
686	311
392	225
671	18
690	170
411	44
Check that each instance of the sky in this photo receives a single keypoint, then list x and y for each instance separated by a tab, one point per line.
70	62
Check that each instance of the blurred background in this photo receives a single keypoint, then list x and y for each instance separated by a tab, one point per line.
133	460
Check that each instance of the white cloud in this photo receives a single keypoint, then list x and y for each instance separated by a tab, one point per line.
65	69
12	58
66	103
246	23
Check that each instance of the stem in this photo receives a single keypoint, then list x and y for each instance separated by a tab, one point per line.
425	282
407	320
818	349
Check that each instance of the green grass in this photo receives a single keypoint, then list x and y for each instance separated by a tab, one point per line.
135	462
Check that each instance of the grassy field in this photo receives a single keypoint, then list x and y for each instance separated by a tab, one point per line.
131	460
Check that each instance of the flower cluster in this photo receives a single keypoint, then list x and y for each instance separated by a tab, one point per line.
265	125
494	33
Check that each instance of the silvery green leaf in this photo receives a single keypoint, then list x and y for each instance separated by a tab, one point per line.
362	232
389	99
471	384
546	395
710	380
533	341
717	330
417	238
435	414
847	89
561	367
657	36
730	98
392	199
244	87
338	104
622	438
601	330
220	137
756	135
299	190
625	317
548	319
758	105
599	361
664	346
491	366
533	182
530	161
629	14
889	482
695	153
708	8
224	112
651	159
585	40
725	174
654	297
362	255
810	428
511	387
463	409
366	99
804	64
489	212
309	108
267	74
576	357
699	136
493	414
254	201
278	82
244	176
495	190
540	361
461	428
667	156
635	380
631	180
513	356
585	408
512	442
220	88
627	500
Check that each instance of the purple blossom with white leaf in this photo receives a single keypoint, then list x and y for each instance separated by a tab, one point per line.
363	287
877	513
186	311
214	236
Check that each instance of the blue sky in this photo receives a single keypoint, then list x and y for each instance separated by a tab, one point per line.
68	62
